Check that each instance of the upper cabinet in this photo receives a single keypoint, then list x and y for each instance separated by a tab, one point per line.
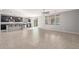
5	18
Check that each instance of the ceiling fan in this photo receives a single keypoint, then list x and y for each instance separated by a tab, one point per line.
48	12
44	11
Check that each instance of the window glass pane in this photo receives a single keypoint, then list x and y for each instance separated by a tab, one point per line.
35	22
46	20
52	19
57	19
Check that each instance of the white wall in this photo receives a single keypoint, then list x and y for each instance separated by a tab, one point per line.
22	12
11	12
69	22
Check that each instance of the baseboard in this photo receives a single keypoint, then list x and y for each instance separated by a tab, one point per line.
61	31
71	32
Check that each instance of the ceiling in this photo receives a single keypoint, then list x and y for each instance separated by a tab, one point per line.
30	12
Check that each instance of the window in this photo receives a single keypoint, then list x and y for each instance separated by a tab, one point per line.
57	19
35	22
46	19
52	20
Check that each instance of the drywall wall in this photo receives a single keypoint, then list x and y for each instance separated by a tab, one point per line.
69	22
22	12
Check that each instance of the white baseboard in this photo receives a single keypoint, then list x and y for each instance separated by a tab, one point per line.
61	31
70	32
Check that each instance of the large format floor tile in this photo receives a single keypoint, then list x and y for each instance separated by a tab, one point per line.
38	38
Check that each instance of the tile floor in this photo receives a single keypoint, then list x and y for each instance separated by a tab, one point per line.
38	39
